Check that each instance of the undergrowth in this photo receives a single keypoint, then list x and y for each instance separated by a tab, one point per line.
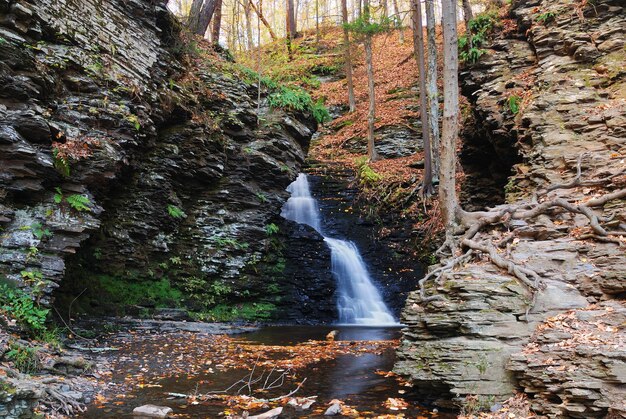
480	27
18	305
130	292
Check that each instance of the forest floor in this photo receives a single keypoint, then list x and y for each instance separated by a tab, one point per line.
390	184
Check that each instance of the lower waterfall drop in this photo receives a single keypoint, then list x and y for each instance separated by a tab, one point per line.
359	302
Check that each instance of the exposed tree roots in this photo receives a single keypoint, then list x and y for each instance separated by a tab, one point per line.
471	223
61	403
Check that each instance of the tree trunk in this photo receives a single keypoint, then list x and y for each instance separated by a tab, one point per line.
385	8
371	116
247	10
204	17
217	23
467	16
232	35
447	189
317	21
290	20
194	14
290	26
259	12
348	60
398	20
433	97
418	48
467	11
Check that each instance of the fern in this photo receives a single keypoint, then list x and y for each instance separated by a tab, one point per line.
514	103
58	196
175	212
472	55
271	229
297	99
320	113
61	163
79	202
19	305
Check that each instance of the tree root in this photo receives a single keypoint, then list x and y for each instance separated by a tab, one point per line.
473	222
577	181
518	271
450	265
62	403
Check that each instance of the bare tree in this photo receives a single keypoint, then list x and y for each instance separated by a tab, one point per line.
347	56
371	116
217	23
431	88
200	15
418	48
467	17
259	11
247	11
447	190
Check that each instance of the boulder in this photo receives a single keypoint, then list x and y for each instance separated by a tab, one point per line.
152	411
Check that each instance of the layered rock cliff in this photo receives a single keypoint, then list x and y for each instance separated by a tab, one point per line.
128	151
562	63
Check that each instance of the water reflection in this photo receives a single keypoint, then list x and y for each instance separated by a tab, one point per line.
350	378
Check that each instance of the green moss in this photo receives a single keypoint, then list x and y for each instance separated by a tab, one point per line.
127	292
243	312
6	388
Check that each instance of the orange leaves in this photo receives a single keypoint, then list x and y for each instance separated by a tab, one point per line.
596	333
395	100
396	404
75	148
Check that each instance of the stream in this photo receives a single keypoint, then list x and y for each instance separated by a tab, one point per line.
148	365
204	376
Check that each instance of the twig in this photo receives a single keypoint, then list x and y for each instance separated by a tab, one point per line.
289	394
69	328
69	310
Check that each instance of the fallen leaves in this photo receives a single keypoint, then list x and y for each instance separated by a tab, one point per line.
396	404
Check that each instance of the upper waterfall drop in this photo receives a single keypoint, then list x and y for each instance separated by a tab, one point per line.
359	302
301	207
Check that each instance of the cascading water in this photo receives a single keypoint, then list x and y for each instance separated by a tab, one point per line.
359	301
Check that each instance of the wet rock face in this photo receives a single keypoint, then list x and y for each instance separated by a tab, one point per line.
479	340
310	285
167	175
394	270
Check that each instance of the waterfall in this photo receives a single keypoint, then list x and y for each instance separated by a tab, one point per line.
359	301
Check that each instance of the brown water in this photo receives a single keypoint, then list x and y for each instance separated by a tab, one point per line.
349	378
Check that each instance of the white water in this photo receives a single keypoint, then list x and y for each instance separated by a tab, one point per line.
359	301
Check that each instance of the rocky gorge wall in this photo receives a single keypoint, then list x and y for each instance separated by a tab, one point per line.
183	179
490	336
